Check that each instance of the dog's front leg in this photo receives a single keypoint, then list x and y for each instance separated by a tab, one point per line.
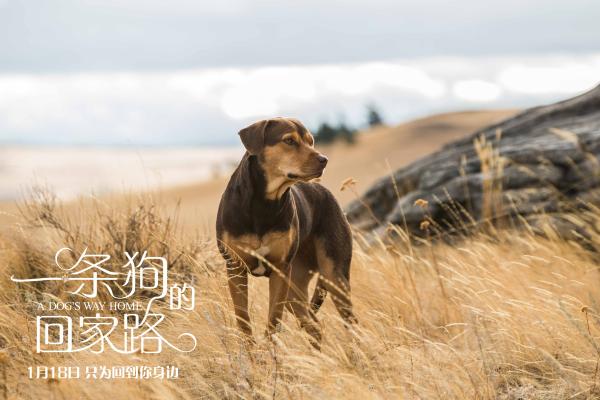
237	279
279	284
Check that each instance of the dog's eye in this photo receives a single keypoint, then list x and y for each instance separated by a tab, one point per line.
289	141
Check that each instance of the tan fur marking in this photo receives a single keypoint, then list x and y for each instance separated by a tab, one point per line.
309	139
326	264
289	135
278	244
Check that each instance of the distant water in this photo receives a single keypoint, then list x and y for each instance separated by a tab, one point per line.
71	171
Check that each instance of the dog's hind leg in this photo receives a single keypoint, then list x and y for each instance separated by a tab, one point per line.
319	296
298	301
334	269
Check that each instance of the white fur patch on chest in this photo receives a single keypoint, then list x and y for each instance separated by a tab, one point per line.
262	251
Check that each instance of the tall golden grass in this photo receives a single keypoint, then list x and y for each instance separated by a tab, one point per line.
507	315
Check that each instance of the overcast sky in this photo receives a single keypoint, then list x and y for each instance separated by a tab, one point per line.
175	72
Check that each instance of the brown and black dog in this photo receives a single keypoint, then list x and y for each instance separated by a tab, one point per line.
271	212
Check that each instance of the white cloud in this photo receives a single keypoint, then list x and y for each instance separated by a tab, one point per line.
362	78
199	105
265	91
566	76
261	91
476	90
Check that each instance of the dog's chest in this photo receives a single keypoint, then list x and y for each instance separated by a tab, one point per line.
252	249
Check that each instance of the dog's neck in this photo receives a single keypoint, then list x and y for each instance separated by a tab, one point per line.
276	186
261	189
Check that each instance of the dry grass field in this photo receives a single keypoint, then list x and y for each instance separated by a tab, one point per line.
501	314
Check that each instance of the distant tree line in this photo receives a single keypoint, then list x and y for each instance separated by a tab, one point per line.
329	133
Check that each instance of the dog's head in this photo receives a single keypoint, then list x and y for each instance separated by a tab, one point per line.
285	149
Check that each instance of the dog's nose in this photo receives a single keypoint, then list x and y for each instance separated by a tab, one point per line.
322	160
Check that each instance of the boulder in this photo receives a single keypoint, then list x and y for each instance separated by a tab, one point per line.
543	161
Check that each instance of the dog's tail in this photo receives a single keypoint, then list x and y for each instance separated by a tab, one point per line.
319	295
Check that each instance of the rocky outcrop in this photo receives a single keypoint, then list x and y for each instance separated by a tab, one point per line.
544	160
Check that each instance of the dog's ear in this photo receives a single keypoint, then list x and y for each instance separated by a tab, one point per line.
253	136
